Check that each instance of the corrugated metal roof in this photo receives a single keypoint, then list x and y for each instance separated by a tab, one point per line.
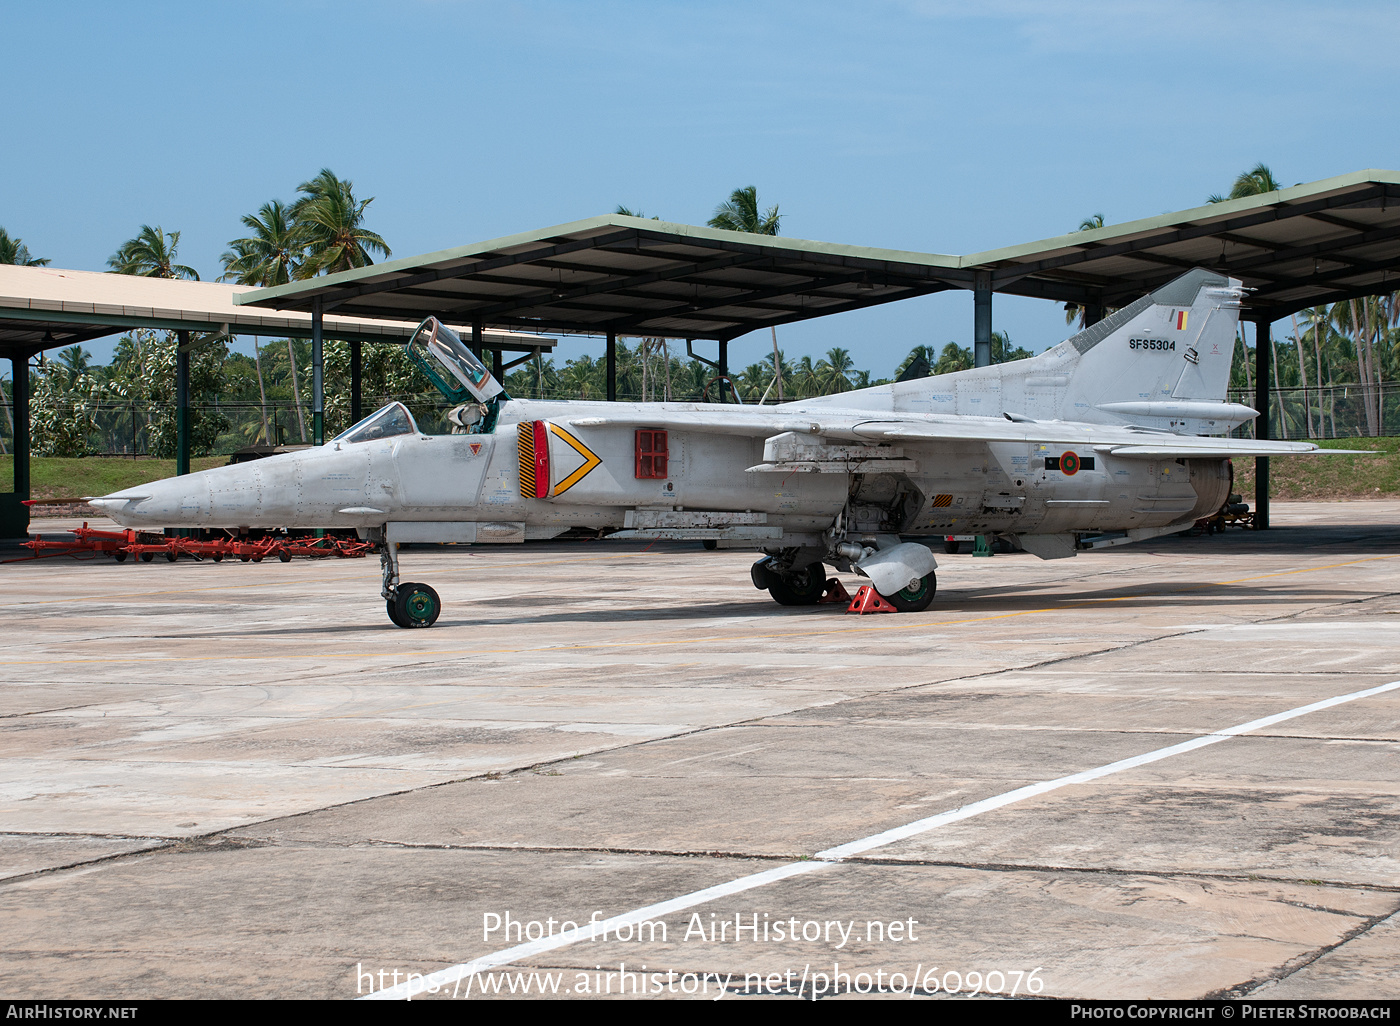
1298	247
631	276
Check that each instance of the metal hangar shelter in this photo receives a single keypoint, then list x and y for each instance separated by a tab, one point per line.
45	308
1312	244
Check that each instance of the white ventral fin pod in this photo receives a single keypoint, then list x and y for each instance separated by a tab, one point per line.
469	376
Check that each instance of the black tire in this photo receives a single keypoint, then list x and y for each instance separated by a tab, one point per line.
284	555
914	600
170	557
951	547
710	544
120	557
390	606
217	557
762	574
803	587
417	605
146	557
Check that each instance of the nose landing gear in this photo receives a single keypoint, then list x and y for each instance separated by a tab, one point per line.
408	605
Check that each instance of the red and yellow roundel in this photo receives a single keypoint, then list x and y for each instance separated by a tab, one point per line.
1069	464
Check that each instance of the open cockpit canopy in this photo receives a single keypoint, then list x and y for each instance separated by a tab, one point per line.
447	349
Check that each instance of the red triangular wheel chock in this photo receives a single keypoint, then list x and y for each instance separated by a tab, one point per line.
868	600
835	592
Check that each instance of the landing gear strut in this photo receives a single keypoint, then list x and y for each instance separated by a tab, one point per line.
408	605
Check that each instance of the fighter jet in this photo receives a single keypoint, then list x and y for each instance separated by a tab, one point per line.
1115	435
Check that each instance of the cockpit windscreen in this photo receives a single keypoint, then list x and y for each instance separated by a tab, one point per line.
392	420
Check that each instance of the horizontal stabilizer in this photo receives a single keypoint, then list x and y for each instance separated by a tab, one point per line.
1218	448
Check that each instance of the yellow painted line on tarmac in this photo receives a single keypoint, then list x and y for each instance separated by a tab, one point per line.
849	628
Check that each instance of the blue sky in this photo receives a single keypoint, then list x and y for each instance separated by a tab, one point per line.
911	124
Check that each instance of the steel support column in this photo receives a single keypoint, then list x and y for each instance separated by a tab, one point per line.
1093	313
182	402
1263	351
318	380
14	515
477	327
612	367
356	382
982	319
19	375
725	385
498	365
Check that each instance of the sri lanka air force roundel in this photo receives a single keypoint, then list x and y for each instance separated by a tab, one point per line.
1069	464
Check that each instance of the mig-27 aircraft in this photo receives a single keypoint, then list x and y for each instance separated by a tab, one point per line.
1114	435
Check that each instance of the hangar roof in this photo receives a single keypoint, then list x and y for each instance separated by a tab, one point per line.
73	306
1298	247
627	275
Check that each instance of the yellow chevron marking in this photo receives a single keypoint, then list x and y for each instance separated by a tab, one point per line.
590	460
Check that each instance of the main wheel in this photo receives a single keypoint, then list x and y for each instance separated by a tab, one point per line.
914	599
762	575
392	606
417	605
803	587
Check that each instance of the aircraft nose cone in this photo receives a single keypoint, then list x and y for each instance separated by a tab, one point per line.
174	502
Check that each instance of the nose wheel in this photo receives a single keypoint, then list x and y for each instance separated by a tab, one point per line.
408	605
414	605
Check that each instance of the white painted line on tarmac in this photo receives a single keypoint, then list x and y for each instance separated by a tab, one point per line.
1288	628
455	975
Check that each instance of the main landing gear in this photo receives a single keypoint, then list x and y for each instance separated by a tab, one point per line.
807	586
408	605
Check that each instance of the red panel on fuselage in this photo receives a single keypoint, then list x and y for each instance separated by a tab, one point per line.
541	459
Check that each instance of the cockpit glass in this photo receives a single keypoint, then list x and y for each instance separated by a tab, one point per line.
392	420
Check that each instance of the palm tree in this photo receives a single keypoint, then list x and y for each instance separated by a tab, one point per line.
925	353
953	358
14	251
1074	310
1254	182
834	372
75	362
270	256
740	213
332	221
151	255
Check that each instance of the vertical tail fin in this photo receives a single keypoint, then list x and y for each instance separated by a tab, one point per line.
1163	361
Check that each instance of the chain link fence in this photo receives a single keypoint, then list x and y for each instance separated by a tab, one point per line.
1331	411
144	429
134	429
